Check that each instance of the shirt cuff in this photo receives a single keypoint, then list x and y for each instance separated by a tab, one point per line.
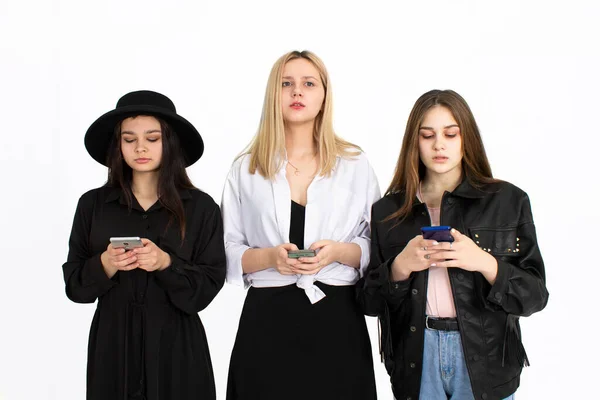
235	273
365	256
173	276
93	274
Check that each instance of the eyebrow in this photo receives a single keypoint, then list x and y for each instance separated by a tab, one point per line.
147	132
304	77
446	127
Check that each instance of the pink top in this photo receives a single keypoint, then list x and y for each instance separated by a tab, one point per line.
440	302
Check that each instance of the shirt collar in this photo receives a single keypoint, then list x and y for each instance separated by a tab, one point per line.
118	194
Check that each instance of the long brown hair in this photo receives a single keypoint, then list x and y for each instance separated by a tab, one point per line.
267	149
172	175
410	170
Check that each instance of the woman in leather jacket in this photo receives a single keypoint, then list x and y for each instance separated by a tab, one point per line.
449	310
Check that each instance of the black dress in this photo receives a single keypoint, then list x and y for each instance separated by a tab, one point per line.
146	339
287	348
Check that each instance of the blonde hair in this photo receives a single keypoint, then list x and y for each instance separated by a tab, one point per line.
267	149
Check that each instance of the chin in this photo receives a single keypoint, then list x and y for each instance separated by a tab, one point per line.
446	170
299	119
146	170
143	168
441	169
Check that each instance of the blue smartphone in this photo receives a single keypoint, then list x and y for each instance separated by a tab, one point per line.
439	233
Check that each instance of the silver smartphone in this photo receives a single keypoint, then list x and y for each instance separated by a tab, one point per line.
301	253
126	243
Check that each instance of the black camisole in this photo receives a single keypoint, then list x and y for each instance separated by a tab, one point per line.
297	225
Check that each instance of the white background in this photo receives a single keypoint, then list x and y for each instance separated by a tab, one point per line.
528	69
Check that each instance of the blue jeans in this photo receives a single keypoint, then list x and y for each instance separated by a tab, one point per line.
445	374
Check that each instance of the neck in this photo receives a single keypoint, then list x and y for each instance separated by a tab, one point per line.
299	141
434	185
145	184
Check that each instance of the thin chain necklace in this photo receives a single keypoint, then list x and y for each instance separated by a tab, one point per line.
297	171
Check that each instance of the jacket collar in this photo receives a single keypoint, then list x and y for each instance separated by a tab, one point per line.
465	189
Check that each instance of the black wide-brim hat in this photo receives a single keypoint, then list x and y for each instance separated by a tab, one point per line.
144	102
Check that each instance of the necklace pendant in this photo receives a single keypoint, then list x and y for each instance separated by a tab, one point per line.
297	173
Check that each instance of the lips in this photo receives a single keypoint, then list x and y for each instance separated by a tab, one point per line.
297	105
440	159
142	160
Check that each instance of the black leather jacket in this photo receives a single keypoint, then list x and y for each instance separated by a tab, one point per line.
498	218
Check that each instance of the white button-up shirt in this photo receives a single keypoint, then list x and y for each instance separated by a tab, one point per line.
257	211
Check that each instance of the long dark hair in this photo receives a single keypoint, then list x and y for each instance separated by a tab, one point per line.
172	175
410	170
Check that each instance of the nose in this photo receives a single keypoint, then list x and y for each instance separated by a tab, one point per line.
439	143
297	92
140	147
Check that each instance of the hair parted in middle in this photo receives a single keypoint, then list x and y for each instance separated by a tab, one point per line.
410	170
172	175
267	149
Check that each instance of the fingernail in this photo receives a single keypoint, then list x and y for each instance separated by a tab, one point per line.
453	230
435	243
432	265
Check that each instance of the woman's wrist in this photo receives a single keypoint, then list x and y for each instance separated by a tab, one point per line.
108	270
165	262
270	255
397	272
489	269
347	253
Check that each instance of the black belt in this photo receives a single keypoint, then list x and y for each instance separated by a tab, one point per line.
441	324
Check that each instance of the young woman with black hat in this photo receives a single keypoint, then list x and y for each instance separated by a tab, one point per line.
146	339
449	305
301	334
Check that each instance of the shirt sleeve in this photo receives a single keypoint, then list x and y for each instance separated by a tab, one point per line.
236	242
363	236
85	279
192	284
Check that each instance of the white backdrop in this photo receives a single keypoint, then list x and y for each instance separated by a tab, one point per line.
529	70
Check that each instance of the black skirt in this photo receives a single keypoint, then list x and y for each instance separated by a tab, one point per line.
287	348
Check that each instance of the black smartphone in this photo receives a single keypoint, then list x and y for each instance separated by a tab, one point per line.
438	233
301	253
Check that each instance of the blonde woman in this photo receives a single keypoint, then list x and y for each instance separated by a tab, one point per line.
299	186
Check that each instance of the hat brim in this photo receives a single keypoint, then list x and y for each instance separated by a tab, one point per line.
99	134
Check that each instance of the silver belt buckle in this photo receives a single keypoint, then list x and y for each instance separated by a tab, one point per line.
427	322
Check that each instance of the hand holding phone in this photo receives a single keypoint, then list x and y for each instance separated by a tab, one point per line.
281	261
118	255
420	252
